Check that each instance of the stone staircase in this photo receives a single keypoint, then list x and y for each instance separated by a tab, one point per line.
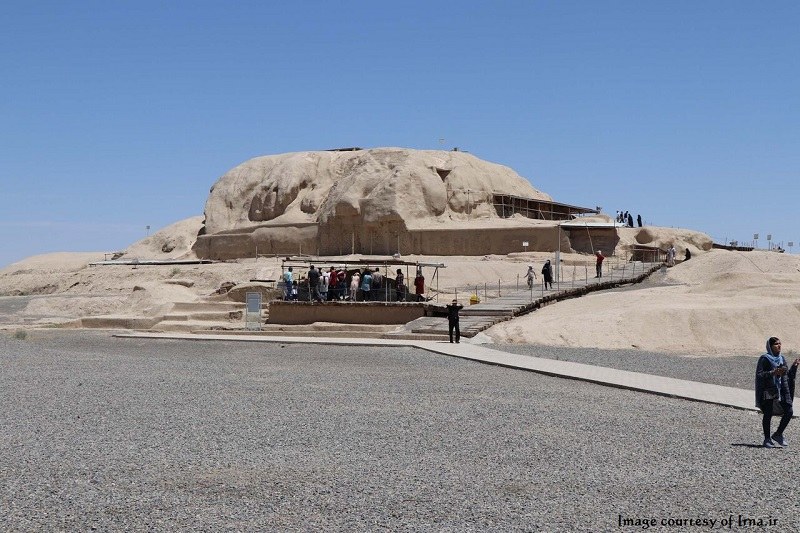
190	317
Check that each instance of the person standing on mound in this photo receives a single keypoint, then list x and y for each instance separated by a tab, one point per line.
452	320
775	384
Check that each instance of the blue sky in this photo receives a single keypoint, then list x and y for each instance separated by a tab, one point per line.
118	115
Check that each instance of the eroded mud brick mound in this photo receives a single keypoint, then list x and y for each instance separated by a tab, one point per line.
280	203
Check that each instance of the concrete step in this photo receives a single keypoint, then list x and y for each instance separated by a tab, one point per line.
196	307
211	316
118	322
327	326
194	326
416	336
309	334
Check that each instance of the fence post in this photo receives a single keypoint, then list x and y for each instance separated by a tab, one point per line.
498	288
517	281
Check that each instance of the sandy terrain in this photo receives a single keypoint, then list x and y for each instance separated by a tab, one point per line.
718	303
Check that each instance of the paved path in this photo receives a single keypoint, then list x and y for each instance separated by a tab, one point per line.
690	390
513	301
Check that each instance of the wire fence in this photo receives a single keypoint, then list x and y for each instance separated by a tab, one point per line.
570	276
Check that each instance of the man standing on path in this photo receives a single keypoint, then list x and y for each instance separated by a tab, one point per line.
639	220
452	320
377	284
599	264
288	278
313	284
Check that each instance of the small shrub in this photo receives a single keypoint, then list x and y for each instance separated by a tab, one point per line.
21	334
174	272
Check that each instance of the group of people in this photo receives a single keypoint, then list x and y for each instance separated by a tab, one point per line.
547	271
547	275
359	285
624	217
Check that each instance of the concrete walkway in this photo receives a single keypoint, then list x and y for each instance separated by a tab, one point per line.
664	386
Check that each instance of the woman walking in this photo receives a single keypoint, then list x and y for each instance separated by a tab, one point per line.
547	274
775	389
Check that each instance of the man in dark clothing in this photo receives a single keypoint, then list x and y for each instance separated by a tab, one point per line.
630	220
452	320
313	284
639	220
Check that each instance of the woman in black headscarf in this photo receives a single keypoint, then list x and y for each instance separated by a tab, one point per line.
775	385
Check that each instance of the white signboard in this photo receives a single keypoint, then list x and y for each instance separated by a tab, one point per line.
252	316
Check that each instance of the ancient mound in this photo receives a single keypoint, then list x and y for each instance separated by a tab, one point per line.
381	184
363	199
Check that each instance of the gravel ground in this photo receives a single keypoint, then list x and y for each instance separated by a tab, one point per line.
733	371
133	434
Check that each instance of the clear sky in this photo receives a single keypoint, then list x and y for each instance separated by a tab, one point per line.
118	115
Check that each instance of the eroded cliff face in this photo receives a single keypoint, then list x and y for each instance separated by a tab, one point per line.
369	186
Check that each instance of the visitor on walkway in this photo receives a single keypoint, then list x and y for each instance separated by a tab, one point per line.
333	285
630	220
688	255
547	274
639	220
775	391
530	275
288	278
293	295
419	286
671	255
599	263
399	286
341	284
313	284
452	320
377	284
355	281
325	284
366	284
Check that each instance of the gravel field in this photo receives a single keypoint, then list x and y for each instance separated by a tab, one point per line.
733	371
134	434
